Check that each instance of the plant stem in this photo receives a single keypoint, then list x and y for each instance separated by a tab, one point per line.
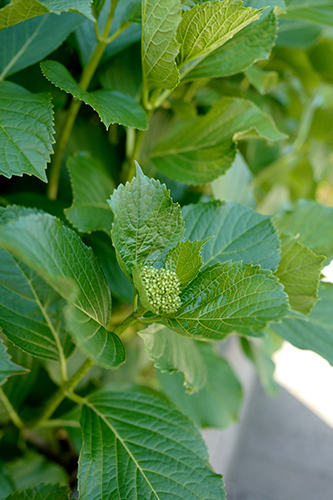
11	411
62	392
88	73
130	320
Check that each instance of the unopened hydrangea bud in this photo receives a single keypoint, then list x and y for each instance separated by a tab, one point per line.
163	289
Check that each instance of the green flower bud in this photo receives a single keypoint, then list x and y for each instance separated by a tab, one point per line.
163	289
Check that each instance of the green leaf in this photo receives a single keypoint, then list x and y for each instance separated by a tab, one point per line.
6	485
91	185
263	81
142	447
21	10
26	131
209	25
29	42
277	5
147	223
239	233
201	149
312	223
185	260
41	492
228	297
112	106
171	352
313	331
297	34
219	402
7	367
160	19
315	11
60	257
299	273
253	43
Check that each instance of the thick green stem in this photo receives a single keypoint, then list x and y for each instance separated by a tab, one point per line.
11	411
130	320
88	73
62	392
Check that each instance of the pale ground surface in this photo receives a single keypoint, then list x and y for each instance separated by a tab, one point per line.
283	447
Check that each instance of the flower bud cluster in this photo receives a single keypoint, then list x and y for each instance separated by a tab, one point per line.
163	289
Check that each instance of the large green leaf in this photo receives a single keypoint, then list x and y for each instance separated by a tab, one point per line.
313	331
209	25
315	11
21	10
312	223
160	19
298	34
7	367
228	297
26	131
250	45
218	403
185	260
41	492
59	256
201	149
147	223
91	185
136	446
299	272
171	352
31	41
239	233
112	106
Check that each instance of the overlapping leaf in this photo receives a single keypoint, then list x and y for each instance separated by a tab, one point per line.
21	10
31	41
253	43
201	149
147	223
112	106
26	131
185	260
41	492
59	256
313	331
7	367
319	12
227	297
91	186
238	233
312	223
160	19
135	444
171	352
299	272
209	25
218	403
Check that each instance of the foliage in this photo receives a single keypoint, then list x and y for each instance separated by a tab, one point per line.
116	287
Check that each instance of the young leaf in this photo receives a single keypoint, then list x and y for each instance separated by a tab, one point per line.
7	367
218	403
238	233
26	134
253	43
160	19
313	331
299	273
210	25
147	223
21	10
29	42
142	447
171	352
311	10
59	256
185	260
91	186
41	492
227	297
312	223
201	149
112	106
263	81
